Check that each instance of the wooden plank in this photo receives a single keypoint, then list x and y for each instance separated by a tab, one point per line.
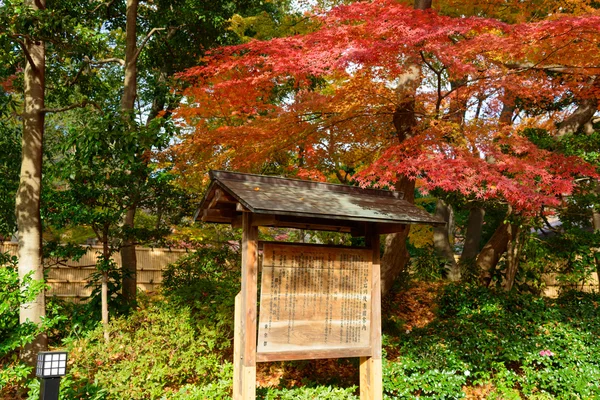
313	355
371	376
248	301
237	344
314	300
262	243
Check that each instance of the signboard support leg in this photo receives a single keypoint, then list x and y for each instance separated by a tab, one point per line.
371	385
245	337
237	345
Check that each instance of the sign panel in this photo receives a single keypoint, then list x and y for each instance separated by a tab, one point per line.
314	300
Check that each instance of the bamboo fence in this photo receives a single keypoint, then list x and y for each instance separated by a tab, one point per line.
69	280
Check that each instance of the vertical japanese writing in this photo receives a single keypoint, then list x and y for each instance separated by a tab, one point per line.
314	297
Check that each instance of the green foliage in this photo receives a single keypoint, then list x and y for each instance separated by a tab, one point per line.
425	265
206	264
307	393
14	335
176	346
10	159
160	346
522	345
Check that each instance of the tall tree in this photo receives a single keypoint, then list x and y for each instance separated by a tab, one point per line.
29	223
128	255
161	40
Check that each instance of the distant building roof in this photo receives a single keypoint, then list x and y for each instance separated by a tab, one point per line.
297	203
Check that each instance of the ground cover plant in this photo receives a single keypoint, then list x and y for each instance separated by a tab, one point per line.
441	341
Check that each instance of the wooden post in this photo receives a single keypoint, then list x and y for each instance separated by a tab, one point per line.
371	386
237	344
245	374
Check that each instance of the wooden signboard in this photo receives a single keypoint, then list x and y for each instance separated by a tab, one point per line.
315	303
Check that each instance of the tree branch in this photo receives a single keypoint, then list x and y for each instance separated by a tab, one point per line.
26	52
83	104
139	50
106	61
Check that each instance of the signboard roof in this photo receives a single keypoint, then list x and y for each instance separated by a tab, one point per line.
301	200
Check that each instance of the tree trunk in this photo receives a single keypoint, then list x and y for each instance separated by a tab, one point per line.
27	208
128	256
472	236
104	283
490	254
514	246
581	118
441	240
129	261
422	4
395	256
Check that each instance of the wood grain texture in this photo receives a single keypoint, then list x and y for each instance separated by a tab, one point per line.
313	355
248	306
371	379
237	345
315	300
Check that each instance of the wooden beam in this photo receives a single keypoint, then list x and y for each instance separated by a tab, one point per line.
240	207
221	197
371	377
384	229
215	215
264	220
312	354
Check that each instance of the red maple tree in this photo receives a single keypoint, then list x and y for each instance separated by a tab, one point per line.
329	98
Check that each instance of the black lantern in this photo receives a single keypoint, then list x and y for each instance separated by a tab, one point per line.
51	366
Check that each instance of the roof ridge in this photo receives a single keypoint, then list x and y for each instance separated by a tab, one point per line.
216	175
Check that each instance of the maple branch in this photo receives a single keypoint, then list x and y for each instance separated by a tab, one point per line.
139	50
83	104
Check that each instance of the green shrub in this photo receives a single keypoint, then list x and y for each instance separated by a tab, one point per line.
307	393
14	335
177	346
522	345
154	351
206	263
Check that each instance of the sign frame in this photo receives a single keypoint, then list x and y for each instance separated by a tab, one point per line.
315	302
245	330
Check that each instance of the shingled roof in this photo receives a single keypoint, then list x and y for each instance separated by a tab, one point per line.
294	203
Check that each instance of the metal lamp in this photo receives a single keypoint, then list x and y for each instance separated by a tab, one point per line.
51	366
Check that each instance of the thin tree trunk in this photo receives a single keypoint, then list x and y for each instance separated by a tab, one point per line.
441	240
472	235
129	261
27	208
104	287
596	226
128	256
490	254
